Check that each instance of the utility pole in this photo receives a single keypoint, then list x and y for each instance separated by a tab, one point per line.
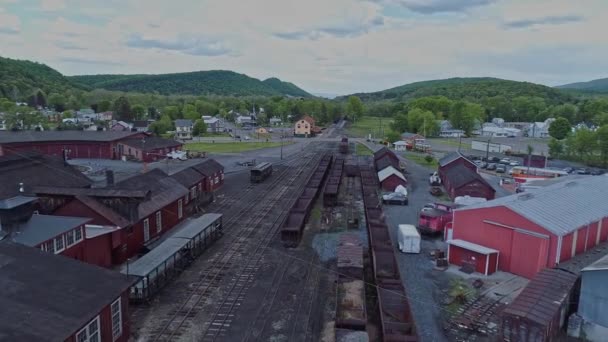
488	148
281	147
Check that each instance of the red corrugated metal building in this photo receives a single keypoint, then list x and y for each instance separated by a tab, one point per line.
79	144
148	149
538	229
460	178
53	298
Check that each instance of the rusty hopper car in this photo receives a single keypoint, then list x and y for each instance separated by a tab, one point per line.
350	291
260	172
344	146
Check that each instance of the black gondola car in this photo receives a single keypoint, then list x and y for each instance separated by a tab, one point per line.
261	172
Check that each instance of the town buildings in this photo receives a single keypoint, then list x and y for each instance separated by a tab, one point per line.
148	148
305	127
460	178
214	125
183	129
537	229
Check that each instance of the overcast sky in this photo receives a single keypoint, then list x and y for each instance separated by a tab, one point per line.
331	46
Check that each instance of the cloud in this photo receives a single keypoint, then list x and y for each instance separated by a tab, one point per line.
9	24
551	20
189	46
346	30
77	60
52	5
69	46
440	6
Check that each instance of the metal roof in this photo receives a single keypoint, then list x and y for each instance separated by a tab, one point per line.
147	263
47	297
599	265
194	227
541	300
387	172
183	123
7	137
460	175
16	201
151	143
450	157
385	161
472	246
559	208
40	228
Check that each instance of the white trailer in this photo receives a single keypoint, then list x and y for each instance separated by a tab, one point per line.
494	147
409	238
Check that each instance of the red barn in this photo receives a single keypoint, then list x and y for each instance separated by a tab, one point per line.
382	152
538	229
147	149
386	161
390	178
460	178
52	298
79	144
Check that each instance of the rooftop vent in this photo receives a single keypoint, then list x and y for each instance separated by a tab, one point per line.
526	196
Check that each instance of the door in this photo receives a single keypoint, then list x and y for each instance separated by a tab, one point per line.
528	254
146	230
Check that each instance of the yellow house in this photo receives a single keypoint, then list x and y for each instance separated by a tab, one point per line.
305	127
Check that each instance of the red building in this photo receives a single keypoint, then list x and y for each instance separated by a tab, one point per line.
213	172
385	152
390	178
52	298
460	178
148	149
535	230
78	144
385	161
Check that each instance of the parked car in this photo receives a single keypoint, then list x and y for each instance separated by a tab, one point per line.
501	169
597	172
583	171
493	159
514	163
395	198
568	169
270	130
505	161
246	137
491	166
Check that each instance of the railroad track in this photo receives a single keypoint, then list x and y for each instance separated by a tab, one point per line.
191	299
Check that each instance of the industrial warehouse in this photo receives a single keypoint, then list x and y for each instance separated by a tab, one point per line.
300	249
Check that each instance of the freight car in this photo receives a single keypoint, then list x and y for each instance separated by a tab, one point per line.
350	290
260	172
344	145
434	218
332	187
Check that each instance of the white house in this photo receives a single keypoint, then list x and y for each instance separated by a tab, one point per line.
243	120
214	125
275	121
451	133
183	129
400	145
491	130
540	129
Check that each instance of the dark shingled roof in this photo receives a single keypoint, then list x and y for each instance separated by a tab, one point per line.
164	190
106	212
96	192
460	175
151	143
48	297
540	301
40	136
385	162
40	228
33	169
450	157
208	167
188	177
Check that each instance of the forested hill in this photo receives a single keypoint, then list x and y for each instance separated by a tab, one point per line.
471	89
599	85
19	79
286	88
215	82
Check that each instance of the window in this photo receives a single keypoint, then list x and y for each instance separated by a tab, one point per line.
217	180
200	187
159	222
222	176
180	209
146	230
78	235
50	246
298	125
187	198
305	126
69	238
116	319
90	333
59	246
193	192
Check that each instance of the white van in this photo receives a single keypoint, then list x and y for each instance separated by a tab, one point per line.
408	238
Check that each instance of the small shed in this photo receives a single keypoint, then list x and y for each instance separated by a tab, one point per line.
385	152
459	180
386	161
540	310
400	145
482	259
390	178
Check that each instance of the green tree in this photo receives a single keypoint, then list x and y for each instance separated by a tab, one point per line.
602	139
567	111
559	128
122	109
354	107
104	106
556	148
205	108
68	114
463	115
162	126
393	136
585	143
438	105
73	103
400	123
57	101
190	112
601	119
172	112
200	128
528	108
139	111
423	122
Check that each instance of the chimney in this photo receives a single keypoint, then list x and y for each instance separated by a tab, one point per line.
109	177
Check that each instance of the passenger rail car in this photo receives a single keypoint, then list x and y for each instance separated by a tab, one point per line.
260	172
164	262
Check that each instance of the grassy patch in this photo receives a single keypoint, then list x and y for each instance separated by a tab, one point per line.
230	147
420	158
370	125
363	150
451	142
215	135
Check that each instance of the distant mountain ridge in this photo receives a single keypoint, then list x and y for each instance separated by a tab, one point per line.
468	88
598	85
214	82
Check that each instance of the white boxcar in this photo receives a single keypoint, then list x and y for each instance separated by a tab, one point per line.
409	238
